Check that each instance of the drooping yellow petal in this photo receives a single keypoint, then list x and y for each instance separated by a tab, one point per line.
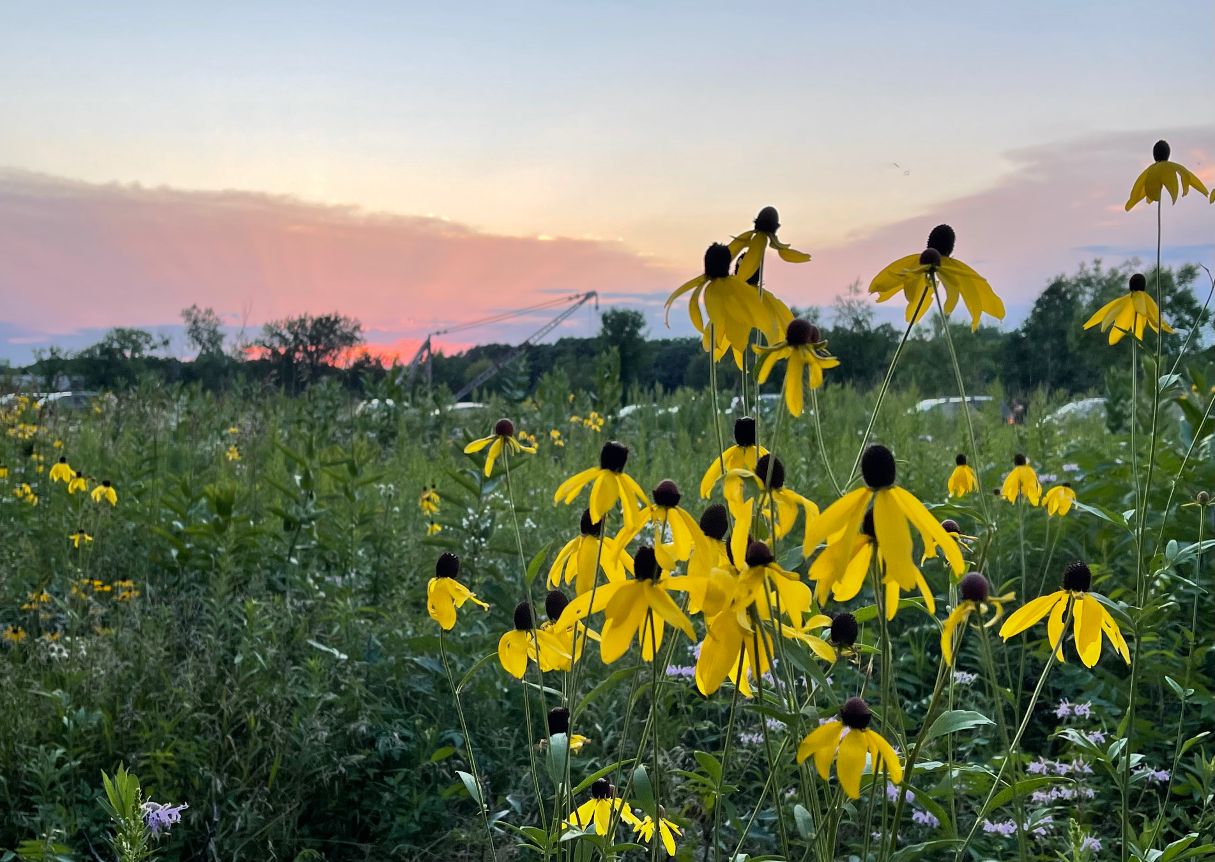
1030	613
477	445
512	652
570	488
1087	629
956	616
850	762
884	753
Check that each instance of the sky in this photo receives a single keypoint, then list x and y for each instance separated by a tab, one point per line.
421	165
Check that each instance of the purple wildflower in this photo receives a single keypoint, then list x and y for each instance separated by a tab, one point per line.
962	677
1159	776
1096	737
1002	827
1041	766
682	671
160	816
1090	844
925	818
1064	709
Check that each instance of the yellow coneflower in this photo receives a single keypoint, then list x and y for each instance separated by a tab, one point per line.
433	528
232	453
895	512
1022	481
768	478
554	436
806	353
741	456
914	275
559	722
3	471
665	514
519	644
640	606
843	583
559	642
105	492
13	635
581	557
848	741
975	594
667	831
712	572
1163	174
1059	499
61	471
1132	312
962	480
78	538
753	243
503	436
444	594
732	306
79	483
1090	619
429	500
599	810
609	484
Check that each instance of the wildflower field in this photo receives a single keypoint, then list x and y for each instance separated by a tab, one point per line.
825	626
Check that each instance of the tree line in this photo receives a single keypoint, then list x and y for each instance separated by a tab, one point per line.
1049	350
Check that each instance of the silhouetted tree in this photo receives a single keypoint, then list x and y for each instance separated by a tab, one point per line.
298	348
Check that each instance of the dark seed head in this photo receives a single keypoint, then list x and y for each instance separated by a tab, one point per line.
717	261
867	525
714	522
1161	151
558	720
1019	460
801	332
759	554
613	456
645	565
974	588
744	431
63	459
942	239
960	460
554	604
949	525
855	713
1077	578
1137	282
930	257
106	483
587	527
504	428
448	566
524	619
666	494
601	788
79	475
778	472
844	629
768	220
1202	498
877	467
1067	484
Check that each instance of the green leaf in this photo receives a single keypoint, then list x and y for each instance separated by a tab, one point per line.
643	791
710	764
804	822
470	784
1022	787
597	774
558	757
472	670
534	566
954	720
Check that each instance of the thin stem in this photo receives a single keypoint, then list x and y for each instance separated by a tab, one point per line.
909	771
725	759
472	761
822	448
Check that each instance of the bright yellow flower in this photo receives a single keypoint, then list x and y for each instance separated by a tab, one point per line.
848	741
843	583
732	306
232	453
78	483
753	243
640	606
1132	312
232	429
773	495
712	572
560	641
58	444
915	277
895	511
554	435
976	597
105	491
433	528
60	471
519	644
667	830
580	558
599	809
3	471
1090	619
429	500
1163	174
503	436
78	538
807	356
962	480
665	514
13	635
610	484
741	456
444	594
1022	482
1059	500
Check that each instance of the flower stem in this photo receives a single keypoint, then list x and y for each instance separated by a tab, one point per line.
909	770
472	761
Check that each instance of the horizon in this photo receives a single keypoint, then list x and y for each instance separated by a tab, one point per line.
332	169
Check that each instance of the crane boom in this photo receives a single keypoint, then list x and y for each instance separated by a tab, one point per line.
524	345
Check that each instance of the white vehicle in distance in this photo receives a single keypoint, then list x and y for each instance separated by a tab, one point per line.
1085	408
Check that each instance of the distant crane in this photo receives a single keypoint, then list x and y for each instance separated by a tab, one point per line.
425	354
